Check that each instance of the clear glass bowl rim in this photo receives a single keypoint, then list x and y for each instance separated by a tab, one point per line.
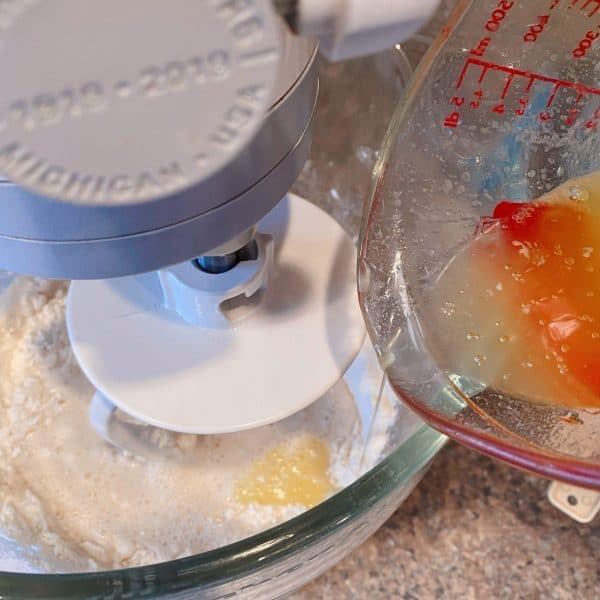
247	556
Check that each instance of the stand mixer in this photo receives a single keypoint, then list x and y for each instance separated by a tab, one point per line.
149	169
189	270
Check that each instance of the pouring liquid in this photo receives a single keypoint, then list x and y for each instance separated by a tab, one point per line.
518	310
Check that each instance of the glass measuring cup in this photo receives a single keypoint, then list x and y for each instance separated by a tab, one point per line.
505	107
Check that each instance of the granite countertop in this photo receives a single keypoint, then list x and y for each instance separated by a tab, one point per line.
473	528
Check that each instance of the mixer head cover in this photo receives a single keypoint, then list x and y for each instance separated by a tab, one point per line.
167	92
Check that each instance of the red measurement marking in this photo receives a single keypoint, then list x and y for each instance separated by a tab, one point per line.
499	14
594	5
554	4
507	86
485	66
573	114
523	102
476	103
452	120
553	95
593	122
529	85
535	30
481	47
585	44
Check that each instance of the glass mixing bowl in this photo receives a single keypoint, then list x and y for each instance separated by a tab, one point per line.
283	558
267	565
451	155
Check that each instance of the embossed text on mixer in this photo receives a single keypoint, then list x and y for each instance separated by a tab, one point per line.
175	76
58	180
19	162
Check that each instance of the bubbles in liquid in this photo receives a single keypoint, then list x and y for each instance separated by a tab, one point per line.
562	368
479	359
578	193
448	308
524	322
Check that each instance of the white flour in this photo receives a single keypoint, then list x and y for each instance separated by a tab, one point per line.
72	502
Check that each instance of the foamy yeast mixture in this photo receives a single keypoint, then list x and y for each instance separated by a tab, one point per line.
83	505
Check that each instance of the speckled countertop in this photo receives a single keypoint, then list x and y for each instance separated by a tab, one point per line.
473	528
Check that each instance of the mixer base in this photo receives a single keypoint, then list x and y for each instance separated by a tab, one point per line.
147	361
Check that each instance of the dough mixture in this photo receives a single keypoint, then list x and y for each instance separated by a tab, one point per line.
75	503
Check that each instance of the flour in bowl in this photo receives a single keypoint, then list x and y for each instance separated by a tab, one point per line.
71	502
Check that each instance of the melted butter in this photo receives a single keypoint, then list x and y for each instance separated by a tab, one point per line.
535	269
289	474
